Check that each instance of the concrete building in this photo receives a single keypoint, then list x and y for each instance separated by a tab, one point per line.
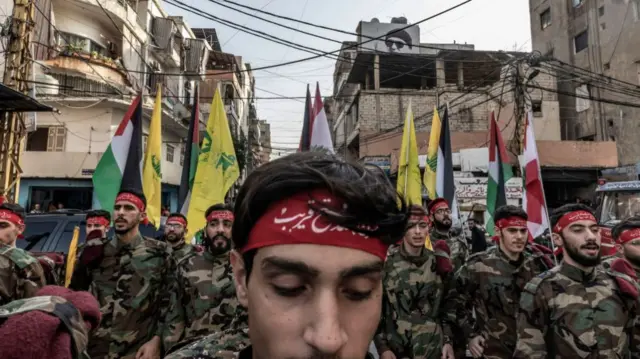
599	37
265	141
98	56
375	83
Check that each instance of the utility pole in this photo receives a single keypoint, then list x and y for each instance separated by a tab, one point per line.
519	109
16	74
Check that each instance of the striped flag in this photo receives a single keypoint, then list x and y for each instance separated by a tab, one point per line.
533	201
121	164
320	133
191	153
499	173
445	186
307	125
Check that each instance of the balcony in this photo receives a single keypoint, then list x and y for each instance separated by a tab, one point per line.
122	11
196	56
168	45
89	66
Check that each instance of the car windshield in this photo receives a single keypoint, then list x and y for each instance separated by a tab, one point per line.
617	206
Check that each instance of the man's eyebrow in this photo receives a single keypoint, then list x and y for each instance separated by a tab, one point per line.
360	270
290	266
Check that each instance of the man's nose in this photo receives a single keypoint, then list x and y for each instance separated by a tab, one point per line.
325	333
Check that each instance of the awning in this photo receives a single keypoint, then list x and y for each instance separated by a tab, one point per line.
14	101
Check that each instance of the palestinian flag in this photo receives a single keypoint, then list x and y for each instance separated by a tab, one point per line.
307	125
191	154
120	167
499	173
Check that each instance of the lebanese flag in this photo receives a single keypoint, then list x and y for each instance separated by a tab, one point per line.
533	201
120	167
320	133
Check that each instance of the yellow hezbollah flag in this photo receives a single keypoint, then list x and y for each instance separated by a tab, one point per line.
217	166
152	170
409	185
432	155
71	256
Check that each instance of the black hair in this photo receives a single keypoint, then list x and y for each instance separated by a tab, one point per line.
418	210
571	207
218	207
15	208
99	213
629	223
371	199
136	193
176	214
507	211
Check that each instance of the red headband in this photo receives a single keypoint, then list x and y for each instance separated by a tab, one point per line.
130	197
177	220
572	217
418	218
629	235
224	215
511	222
439	205
294	221
101	221
6	215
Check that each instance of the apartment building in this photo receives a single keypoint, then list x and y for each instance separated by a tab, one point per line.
98	55
593	38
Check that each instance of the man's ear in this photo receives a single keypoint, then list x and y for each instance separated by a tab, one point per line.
21	229
557	240
240	277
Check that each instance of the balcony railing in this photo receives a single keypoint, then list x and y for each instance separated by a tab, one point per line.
76	86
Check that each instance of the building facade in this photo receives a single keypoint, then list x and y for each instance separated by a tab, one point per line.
100	55
589	42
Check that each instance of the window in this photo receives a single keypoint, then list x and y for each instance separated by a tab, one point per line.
57	138
67	235
603	26
582	98
545	19
36	235
170	151
536	108
636	9
581	41
577	3
601	11
182	149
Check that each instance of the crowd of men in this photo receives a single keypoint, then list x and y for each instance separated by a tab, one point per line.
318	260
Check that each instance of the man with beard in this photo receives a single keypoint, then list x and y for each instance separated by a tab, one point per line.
411	324
98	220
174	230
21	275
577	309
311	234
208	297
131	278
441	221
491	282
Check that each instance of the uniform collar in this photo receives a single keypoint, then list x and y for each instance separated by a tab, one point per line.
121	245
577	274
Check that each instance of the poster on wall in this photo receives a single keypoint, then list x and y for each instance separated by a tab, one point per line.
391	40
382	162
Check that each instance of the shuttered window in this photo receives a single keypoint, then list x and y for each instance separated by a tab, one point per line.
57	139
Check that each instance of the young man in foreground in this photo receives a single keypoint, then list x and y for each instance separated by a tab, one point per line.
311	234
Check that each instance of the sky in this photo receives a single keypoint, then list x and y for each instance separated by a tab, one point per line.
487	24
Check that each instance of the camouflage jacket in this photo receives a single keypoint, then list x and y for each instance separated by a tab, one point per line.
567	313
411	315
457	245
208	296
20	274
136	288
182	252
70	318
491	284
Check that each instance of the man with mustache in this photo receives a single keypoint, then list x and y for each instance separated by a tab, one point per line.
98	220
577	309
132	278
21	275
311	234
174	230
441	230
491	282
411	324
208	297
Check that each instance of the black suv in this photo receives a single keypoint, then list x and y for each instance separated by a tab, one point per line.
52	232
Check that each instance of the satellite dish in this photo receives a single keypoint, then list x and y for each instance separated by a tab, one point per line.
375	20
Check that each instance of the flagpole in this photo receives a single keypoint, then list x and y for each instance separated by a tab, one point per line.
455	198
407	126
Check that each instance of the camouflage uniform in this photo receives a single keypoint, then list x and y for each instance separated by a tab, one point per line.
58	307
567	313
209	301
457	245
491	284
20	274
136	287
411	316
182	252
